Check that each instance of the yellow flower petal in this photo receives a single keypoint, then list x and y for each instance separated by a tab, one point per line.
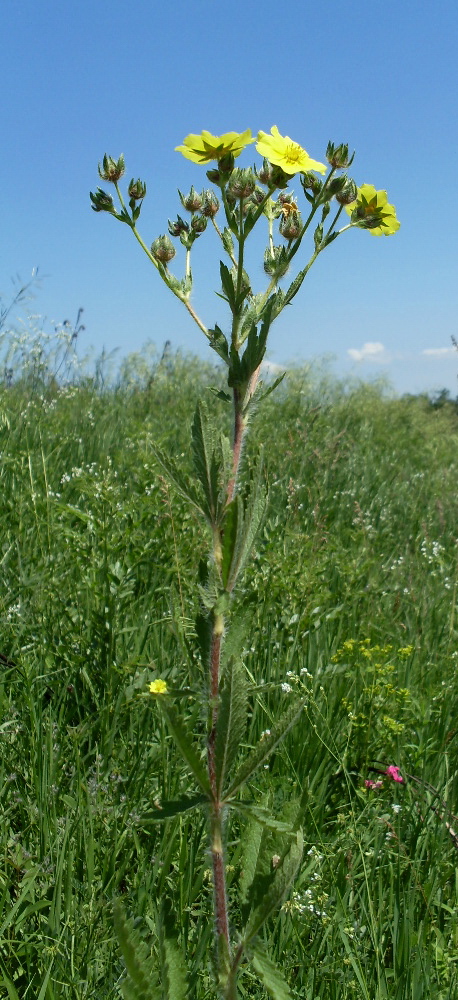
373	211
285	153
206	147
158	687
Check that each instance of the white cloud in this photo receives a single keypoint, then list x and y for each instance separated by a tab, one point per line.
439	352
372	350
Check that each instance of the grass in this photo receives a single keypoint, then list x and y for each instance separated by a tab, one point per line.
350	594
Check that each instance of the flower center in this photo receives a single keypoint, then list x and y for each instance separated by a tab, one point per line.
293	152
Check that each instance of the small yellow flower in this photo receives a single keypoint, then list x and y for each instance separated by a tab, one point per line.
206	147
372	211
158	687
283	152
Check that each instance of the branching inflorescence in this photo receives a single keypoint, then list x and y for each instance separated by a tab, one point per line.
233	506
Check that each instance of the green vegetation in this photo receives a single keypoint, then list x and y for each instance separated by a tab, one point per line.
350	597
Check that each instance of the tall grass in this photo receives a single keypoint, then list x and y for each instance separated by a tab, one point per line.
351	596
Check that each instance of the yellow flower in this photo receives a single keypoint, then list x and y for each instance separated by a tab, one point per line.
206	147
371	210
283	152
158	687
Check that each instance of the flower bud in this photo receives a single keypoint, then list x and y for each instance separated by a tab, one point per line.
311	183
163	249
112	170
258	196
348	194
214	177
338	156
136	190
242	183
276	262
192	202
265	173
279	179
210	205
101	201
291	226
178	227
198	224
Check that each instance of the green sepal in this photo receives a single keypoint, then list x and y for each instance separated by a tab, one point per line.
280	883
232	716
172	808
271	977
186	747
262	751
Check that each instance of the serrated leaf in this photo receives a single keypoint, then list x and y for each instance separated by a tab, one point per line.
281	882
228	242
232	523
270	976
185	746
242	520
263	817
270	388
262	751
172	808
231	724
179	479
252	839
227	282
174	970
141	982
206	463
219	343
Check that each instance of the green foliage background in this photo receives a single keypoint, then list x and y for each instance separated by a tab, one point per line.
350	596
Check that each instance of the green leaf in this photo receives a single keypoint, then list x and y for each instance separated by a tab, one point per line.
233	520
186	747
262	751
281	882
207	465
227	282
219	343
228	242
270	976
251	846
142	980
172	808
174	970
263	817
180	481
241	523
231	724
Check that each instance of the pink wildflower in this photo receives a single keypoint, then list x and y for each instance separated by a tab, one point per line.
373	784
393	772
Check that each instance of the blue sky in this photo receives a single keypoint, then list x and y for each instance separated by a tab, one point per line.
81	79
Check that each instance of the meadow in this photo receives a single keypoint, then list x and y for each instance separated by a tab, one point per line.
349	596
